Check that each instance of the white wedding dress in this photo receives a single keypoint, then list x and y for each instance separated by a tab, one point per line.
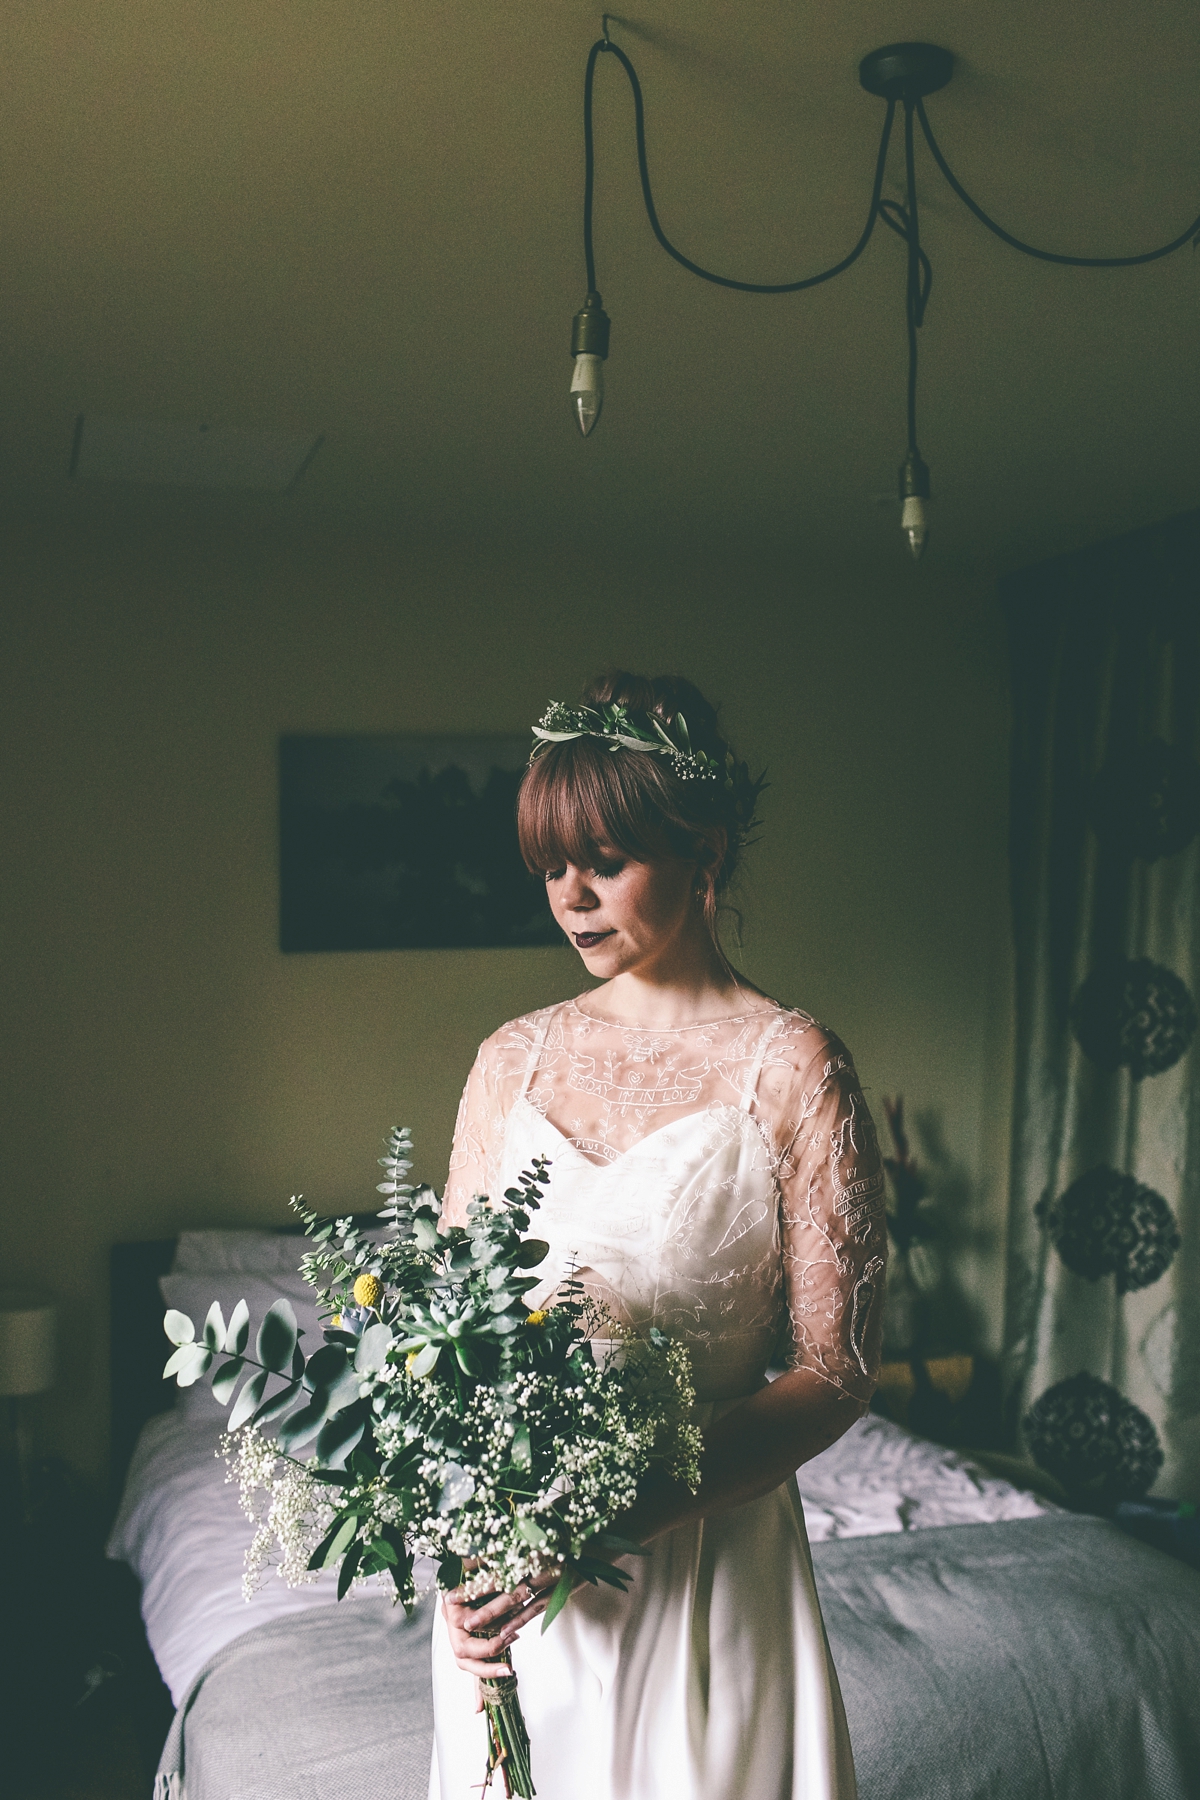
715	1181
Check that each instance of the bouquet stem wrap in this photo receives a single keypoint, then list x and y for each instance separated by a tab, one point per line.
508	1740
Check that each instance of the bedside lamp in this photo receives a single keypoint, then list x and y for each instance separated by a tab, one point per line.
26	1368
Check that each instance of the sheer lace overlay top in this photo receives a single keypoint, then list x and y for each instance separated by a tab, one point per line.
715	1180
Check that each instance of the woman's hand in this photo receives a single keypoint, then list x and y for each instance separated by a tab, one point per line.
482	1631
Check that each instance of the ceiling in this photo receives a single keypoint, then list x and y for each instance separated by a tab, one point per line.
364	220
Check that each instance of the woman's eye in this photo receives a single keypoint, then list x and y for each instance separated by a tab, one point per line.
555	874
606	871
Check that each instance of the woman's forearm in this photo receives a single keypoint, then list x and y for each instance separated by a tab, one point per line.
748	1452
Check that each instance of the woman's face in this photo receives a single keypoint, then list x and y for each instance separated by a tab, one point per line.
625	917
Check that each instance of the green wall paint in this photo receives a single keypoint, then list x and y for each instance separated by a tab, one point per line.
167	1067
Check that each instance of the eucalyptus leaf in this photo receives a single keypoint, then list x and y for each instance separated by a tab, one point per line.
238	1334
326	1365
338	1436
426	1234
530	1253
178	1327
214	1327
200	1364
226	1379
373	1347
179	1359
248	1400
277	1403
305	1422
277	1337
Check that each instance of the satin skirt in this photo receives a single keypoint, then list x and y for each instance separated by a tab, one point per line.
711	1679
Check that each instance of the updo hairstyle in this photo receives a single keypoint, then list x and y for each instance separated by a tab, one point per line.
581	796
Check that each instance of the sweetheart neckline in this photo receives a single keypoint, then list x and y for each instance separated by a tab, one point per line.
719	1106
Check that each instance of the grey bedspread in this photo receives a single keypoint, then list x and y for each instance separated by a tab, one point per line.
1041	1659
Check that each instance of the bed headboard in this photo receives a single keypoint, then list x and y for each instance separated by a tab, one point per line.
136	1346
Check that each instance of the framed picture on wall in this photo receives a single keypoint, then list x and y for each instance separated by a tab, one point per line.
404	843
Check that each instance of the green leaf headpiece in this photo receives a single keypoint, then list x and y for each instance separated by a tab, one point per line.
623	730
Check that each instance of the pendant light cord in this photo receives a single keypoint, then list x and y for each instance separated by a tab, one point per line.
1051	256
746	287
902	219
914	297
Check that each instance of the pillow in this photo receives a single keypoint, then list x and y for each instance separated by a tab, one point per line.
261	1252
193	1292
257	1252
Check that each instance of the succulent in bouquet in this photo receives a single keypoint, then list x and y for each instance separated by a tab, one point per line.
441	1417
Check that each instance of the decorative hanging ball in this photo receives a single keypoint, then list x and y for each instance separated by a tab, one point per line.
1147	803
1107	1223
1134	1014
1102	1447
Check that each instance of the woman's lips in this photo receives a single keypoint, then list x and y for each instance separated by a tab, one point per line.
586	939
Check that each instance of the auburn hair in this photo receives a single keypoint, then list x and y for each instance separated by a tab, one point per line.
581	797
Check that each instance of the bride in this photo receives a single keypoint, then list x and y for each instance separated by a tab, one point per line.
714	1172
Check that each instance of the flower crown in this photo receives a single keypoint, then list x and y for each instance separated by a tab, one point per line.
646	732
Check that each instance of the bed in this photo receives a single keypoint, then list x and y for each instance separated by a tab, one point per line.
988	1643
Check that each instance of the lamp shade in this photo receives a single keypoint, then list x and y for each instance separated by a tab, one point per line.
26	1346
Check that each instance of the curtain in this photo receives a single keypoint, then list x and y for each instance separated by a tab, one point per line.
1102	1330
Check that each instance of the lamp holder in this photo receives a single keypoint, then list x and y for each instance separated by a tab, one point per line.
906	71
590	329
914	477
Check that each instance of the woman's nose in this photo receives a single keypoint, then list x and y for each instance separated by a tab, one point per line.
576	892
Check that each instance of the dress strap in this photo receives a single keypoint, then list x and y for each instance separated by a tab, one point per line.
750	1086
535	1052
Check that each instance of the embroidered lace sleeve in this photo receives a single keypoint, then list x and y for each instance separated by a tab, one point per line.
834	1227
474	1157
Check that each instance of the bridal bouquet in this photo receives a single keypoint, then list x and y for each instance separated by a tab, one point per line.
443	1418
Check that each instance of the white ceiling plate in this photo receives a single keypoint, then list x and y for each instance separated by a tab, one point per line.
169	454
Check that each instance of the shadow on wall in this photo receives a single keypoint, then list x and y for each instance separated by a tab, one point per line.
936	1233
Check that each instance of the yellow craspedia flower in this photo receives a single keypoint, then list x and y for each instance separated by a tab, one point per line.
368	1290
536	1317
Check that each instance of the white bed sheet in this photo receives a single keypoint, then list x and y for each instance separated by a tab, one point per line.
181	1530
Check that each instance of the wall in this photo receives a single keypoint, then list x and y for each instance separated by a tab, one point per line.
166	1066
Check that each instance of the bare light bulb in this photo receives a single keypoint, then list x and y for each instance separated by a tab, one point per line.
589	346
587	391
914	493
913	524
